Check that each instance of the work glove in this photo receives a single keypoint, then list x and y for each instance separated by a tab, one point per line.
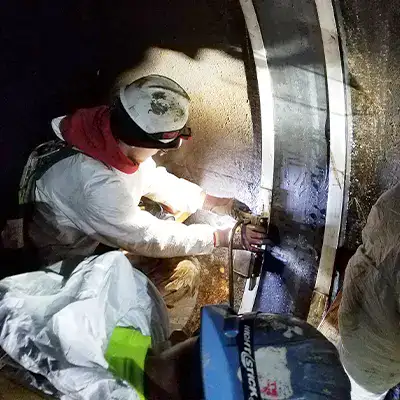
224	205
249	237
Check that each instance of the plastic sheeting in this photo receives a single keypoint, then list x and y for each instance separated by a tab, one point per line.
57	322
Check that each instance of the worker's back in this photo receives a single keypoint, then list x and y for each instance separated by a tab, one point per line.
61	225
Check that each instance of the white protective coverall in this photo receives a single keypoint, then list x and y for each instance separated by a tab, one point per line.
80	202
369	315
57	322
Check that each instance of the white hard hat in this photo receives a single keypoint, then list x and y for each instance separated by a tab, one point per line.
151	112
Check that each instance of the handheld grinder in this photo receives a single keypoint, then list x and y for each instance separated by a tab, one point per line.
245	216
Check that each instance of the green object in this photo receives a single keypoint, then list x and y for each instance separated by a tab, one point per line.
126	355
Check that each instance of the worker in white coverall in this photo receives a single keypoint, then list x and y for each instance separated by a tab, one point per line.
369	314
92	196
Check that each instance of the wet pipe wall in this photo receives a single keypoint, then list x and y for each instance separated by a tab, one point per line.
292	38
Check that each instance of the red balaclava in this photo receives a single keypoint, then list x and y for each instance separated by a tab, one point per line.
88	129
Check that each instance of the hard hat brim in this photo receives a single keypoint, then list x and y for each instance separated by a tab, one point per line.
126	130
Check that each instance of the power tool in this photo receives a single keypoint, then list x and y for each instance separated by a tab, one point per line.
244	216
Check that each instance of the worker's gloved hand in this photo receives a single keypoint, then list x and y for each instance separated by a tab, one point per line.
221	237
249	237
254	236
224	205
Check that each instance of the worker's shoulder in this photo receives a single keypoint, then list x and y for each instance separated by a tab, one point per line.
87	164
92	173
78	171
389	202
384	218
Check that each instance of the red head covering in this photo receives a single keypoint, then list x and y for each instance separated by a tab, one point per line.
88	129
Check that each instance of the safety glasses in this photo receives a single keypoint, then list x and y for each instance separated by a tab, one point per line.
185	133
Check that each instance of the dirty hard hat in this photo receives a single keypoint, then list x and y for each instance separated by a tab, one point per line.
151	112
